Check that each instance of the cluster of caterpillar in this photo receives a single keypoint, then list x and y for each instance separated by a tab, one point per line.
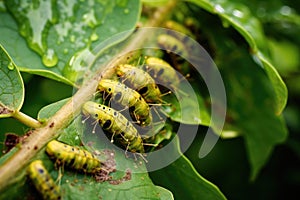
145	92
136	90
179	41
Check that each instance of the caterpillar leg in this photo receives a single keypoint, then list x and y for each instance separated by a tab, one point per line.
95	123
59	177
143	157
112	137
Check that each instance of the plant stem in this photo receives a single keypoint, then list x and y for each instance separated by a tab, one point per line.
39	137
27	120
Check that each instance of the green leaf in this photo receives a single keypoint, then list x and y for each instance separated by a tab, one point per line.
155	3
183	180
72	133
12	88
239	17
164	193
136	188
279	13
62	33
26	59
279	50
49	110
251	110
187	106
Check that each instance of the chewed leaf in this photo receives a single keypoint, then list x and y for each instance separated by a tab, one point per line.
240	17
61	34
139	186
11	85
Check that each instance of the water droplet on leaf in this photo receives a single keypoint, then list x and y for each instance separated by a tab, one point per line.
238	13
94	37
50	58
90	19
11	66
219	9
78	64
285	10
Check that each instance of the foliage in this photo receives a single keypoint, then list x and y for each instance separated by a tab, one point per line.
51	49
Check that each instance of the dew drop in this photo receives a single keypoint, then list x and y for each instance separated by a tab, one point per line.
257	59
50	58
90	19
219	9
238	13
229	134
285	10
94	37
11	66
197	119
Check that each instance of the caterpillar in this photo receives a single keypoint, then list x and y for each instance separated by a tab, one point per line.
178	51
73	157
162	71
115	123
173	44
127	97
141	81
43	181
179	28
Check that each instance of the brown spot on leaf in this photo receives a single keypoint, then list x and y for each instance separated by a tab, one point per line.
4	110
11	140
107	167
126	177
